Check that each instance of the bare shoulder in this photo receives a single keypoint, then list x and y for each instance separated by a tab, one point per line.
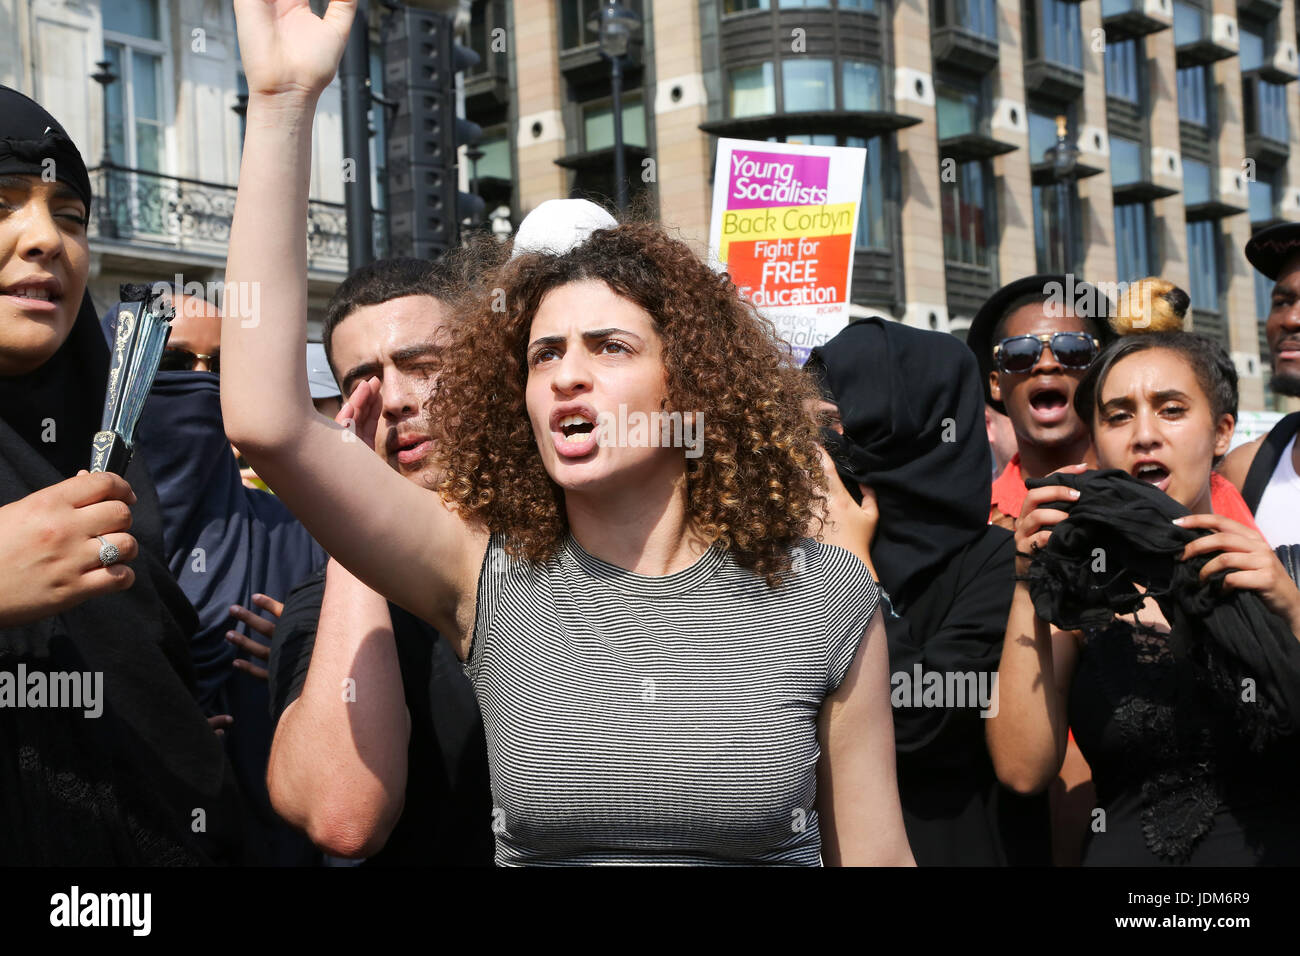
1236	463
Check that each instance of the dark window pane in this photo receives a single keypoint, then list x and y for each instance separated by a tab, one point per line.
1203	263
1193	95
1061	33
1121	59
1132	243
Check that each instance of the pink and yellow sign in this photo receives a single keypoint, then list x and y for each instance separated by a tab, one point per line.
784	218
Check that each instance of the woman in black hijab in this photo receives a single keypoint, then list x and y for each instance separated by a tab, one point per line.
105	757
911	430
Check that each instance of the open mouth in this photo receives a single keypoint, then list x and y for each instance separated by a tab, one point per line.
576	428
1153	473
1049	405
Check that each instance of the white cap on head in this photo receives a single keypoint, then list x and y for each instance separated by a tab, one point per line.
557	225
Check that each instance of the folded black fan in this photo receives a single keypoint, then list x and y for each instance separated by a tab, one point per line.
143	325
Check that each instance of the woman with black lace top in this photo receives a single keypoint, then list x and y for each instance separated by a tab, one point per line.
1191	766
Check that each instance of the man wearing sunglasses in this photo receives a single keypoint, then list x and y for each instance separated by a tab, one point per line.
1034	338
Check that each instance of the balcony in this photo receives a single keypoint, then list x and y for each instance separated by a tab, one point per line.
966	34
1126	19
1200	40
165	216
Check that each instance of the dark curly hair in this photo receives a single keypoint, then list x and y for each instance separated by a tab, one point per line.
758	485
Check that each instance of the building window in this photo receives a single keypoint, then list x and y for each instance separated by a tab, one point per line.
1263	192
574	15
741	6
1254	43
1133	257
1125	161
1042	134
753	90
958	109
977	16
598	123
965	207
1121	59
1265	107
1189	23
799	4
1194	95
861	83
1203	263
1049	227
1060	33
1196	182
132	43
807	85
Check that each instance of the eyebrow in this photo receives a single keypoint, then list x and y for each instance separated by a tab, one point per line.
22	184
1162	396
591	335
400	357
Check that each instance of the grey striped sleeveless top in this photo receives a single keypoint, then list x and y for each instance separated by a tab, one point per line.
660	720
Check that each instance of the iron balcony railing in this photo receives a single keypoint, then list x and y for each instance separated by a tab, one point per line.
191	215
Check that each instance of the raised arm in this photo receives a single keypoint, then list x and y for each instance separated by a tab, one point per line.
397	538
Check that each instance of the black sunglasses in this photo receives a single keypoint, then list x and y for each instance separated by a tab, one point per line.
1020	353
183	360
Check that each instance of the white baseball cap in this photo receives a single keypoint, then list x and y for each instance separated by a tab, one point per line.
557	225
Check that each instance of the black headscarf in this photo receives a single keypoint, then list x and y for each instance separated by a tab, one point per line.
913	418
123	787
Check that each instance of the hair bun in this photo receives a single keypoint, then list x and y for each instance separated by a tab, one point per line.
1150	305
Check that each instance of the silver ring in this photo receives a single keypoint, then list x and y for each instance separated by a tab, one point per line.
108	553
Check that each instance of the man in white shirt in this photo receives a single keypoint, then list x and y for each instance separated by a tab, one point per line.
1267	470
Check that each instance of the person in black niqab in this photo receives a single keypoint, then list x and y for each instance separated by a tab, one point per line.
912	417
145	781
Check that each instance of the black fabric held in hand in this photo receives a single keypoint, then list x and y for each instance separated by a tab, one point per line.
1119	533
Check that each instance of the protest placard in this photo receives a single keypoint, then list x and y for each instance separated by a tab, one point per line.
784	221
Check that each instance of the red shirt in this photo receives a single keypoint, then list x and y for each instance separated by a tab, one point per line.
1009	496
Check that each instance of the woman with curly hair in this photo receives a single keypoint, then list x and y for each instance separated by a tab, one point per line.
668	670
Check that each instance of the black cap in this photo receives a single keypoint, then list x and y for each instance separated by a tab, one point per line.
1070	291
1269	249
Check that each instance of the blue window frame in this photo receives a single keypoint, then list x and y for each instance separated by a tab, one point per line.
1121	59
1189	23
1197	186
1061	34
1133	241
1194	95
1203	263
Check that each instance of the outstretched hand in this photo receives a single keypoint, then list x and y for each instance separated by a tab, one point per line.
285	48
